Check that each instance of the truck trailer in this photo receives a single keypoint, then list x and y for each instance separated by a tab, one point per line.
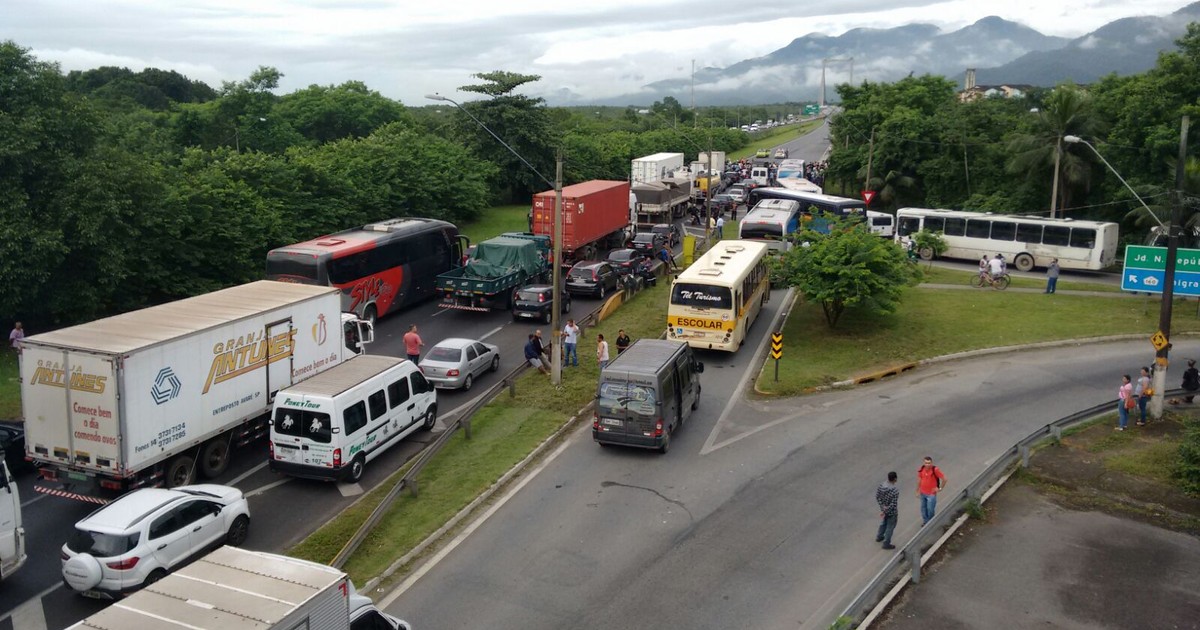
652	168
594	217
713	161
662	201
235	589
151	397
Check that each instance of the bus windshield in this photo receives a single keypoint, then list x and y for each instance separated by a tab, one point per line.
701	296
762	230
292	267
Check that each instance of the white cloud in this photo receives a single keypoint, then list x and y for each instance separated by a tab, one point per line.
405	49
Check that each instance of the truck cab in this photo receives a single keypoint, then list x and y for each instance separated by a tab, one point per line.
12	534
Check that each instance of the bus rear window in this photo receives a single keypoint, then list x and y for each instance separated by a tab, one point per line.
701	295
761	230
293	267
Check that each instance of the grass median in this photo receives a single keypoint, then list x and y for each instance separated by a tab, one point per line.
933	322
503	433
941	275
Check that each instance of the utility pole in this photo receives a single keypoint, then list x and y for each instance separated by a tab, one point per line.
1054	188
870	154
693	94
1164	314
556	273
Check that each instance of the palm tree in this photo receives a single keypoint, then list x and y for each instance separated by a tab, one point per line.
1067	111
891	187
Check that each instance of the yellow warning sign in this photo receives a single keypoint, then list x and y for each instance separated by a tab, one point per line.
777	346
1158	340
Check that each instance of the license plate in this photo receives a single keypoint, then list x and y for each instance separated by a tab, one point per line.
77	476
612	422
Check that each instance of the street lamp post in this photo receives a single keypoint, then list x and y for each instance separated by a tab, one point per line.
556	272
1168	293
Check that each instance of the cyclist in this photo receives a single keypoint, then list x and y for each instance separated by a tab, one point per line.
995	268
984	265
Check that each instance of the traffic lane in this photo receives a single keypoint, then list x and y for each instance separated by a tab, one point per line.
588	523
795	543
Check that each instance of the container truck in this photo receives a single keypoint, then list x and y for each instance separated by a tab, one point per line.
12	533
151	397
498	267
594	217
662	201
714	161
236	589
655	167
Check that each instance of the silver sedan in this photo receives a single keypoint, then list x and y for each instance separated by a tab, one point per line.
455	363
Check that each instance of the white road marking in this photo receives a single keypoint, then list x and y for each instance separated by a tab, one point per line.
264	489
462	537
36	599
491	332
710	444
350	489
34	500
29	616
242	476
444	310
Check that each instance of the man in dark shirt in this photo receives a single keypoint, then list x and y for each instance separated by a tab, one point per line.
533	354
623	341
888	498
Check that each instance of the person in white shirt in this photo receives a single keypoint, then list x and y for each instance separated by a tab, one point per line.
601	351
570	336
996	267
720	226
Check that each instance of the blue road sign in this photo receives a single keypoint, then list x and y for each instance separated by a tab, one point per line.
1187	283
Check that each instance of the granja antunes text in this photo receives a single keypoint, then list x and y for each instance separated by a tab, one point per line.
248	353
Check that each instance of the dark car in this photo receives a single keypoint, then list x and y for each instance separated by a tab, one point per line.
669	231
536	302
12	442
596	277
648	241
626	259
725	202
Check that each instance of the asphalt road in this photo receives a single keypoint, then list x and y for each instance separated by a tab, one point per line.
34	598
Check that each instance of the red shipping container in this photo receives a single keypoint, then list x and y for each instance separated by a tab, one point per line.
592	211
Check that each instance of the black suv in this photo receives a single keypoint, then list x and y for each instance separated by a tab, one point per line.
536	301
649	242
596	277
669	231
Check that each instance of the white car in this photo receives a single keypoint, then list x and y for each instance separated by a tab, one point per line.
140	537
455	363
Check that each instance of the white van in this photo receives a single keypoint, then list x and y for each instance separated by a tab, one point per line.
329	426
881	223
12	534
761	175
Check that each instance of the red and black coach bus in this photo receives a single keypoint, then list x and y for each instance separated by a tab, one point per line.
380	267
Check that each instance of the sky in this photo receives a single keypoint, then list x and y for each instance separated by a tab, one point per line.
406	49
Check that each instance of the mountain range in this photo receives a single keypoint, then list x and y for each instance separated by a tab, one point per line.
1001	51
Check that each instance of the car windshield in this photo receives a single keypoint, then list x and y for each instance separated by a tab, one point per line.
441	353
617	398
622	255
662	229
101	545
644	237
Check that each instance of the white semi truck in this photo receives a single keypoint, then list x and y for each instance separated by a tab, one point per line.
652	168
151	397
235	589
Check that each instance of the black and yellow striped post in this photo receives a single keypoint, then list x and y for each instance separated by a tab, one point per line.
777	351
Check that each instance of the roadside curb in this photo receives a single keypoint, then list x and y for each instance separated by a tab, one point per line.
484	497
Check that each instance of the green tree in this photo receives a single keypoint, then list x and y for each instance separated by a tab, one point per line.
521	122
847	268
1041	152
350	110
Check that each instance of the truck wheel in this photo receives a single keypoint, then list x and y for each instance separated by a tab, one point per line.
238	530
180	472
354	471
430	419
1023	262
371	315
214	458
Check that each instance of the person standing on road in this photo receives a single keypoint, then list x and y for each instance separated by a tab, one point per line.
413	344
720	227
601	351
534	357
16	336
1052	276
930	481
1143	393
1125	402
888	498
623	341
570	337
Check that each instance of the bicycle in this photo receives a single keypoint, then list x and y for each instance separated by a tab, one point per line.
999	283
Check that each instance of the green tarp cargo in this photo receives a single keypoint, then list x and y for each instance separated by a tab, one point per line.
502	255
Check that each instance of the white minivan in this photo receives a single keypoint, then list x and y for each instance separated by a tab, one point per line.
329	426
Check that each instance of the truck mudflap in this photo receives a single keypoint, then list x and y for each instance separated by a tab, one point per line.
67	494
463	307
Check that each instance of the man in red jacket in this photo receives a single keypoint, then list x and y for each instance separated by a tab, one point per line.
930	481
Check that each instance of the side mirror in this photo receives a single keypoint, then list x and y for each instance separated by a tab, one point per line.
699	367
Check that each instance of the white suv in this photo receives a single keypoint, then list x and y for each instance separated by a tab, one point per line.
138	538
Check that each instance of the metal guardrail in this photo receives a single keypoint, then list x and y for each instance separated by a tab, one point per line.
908	558
409	479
